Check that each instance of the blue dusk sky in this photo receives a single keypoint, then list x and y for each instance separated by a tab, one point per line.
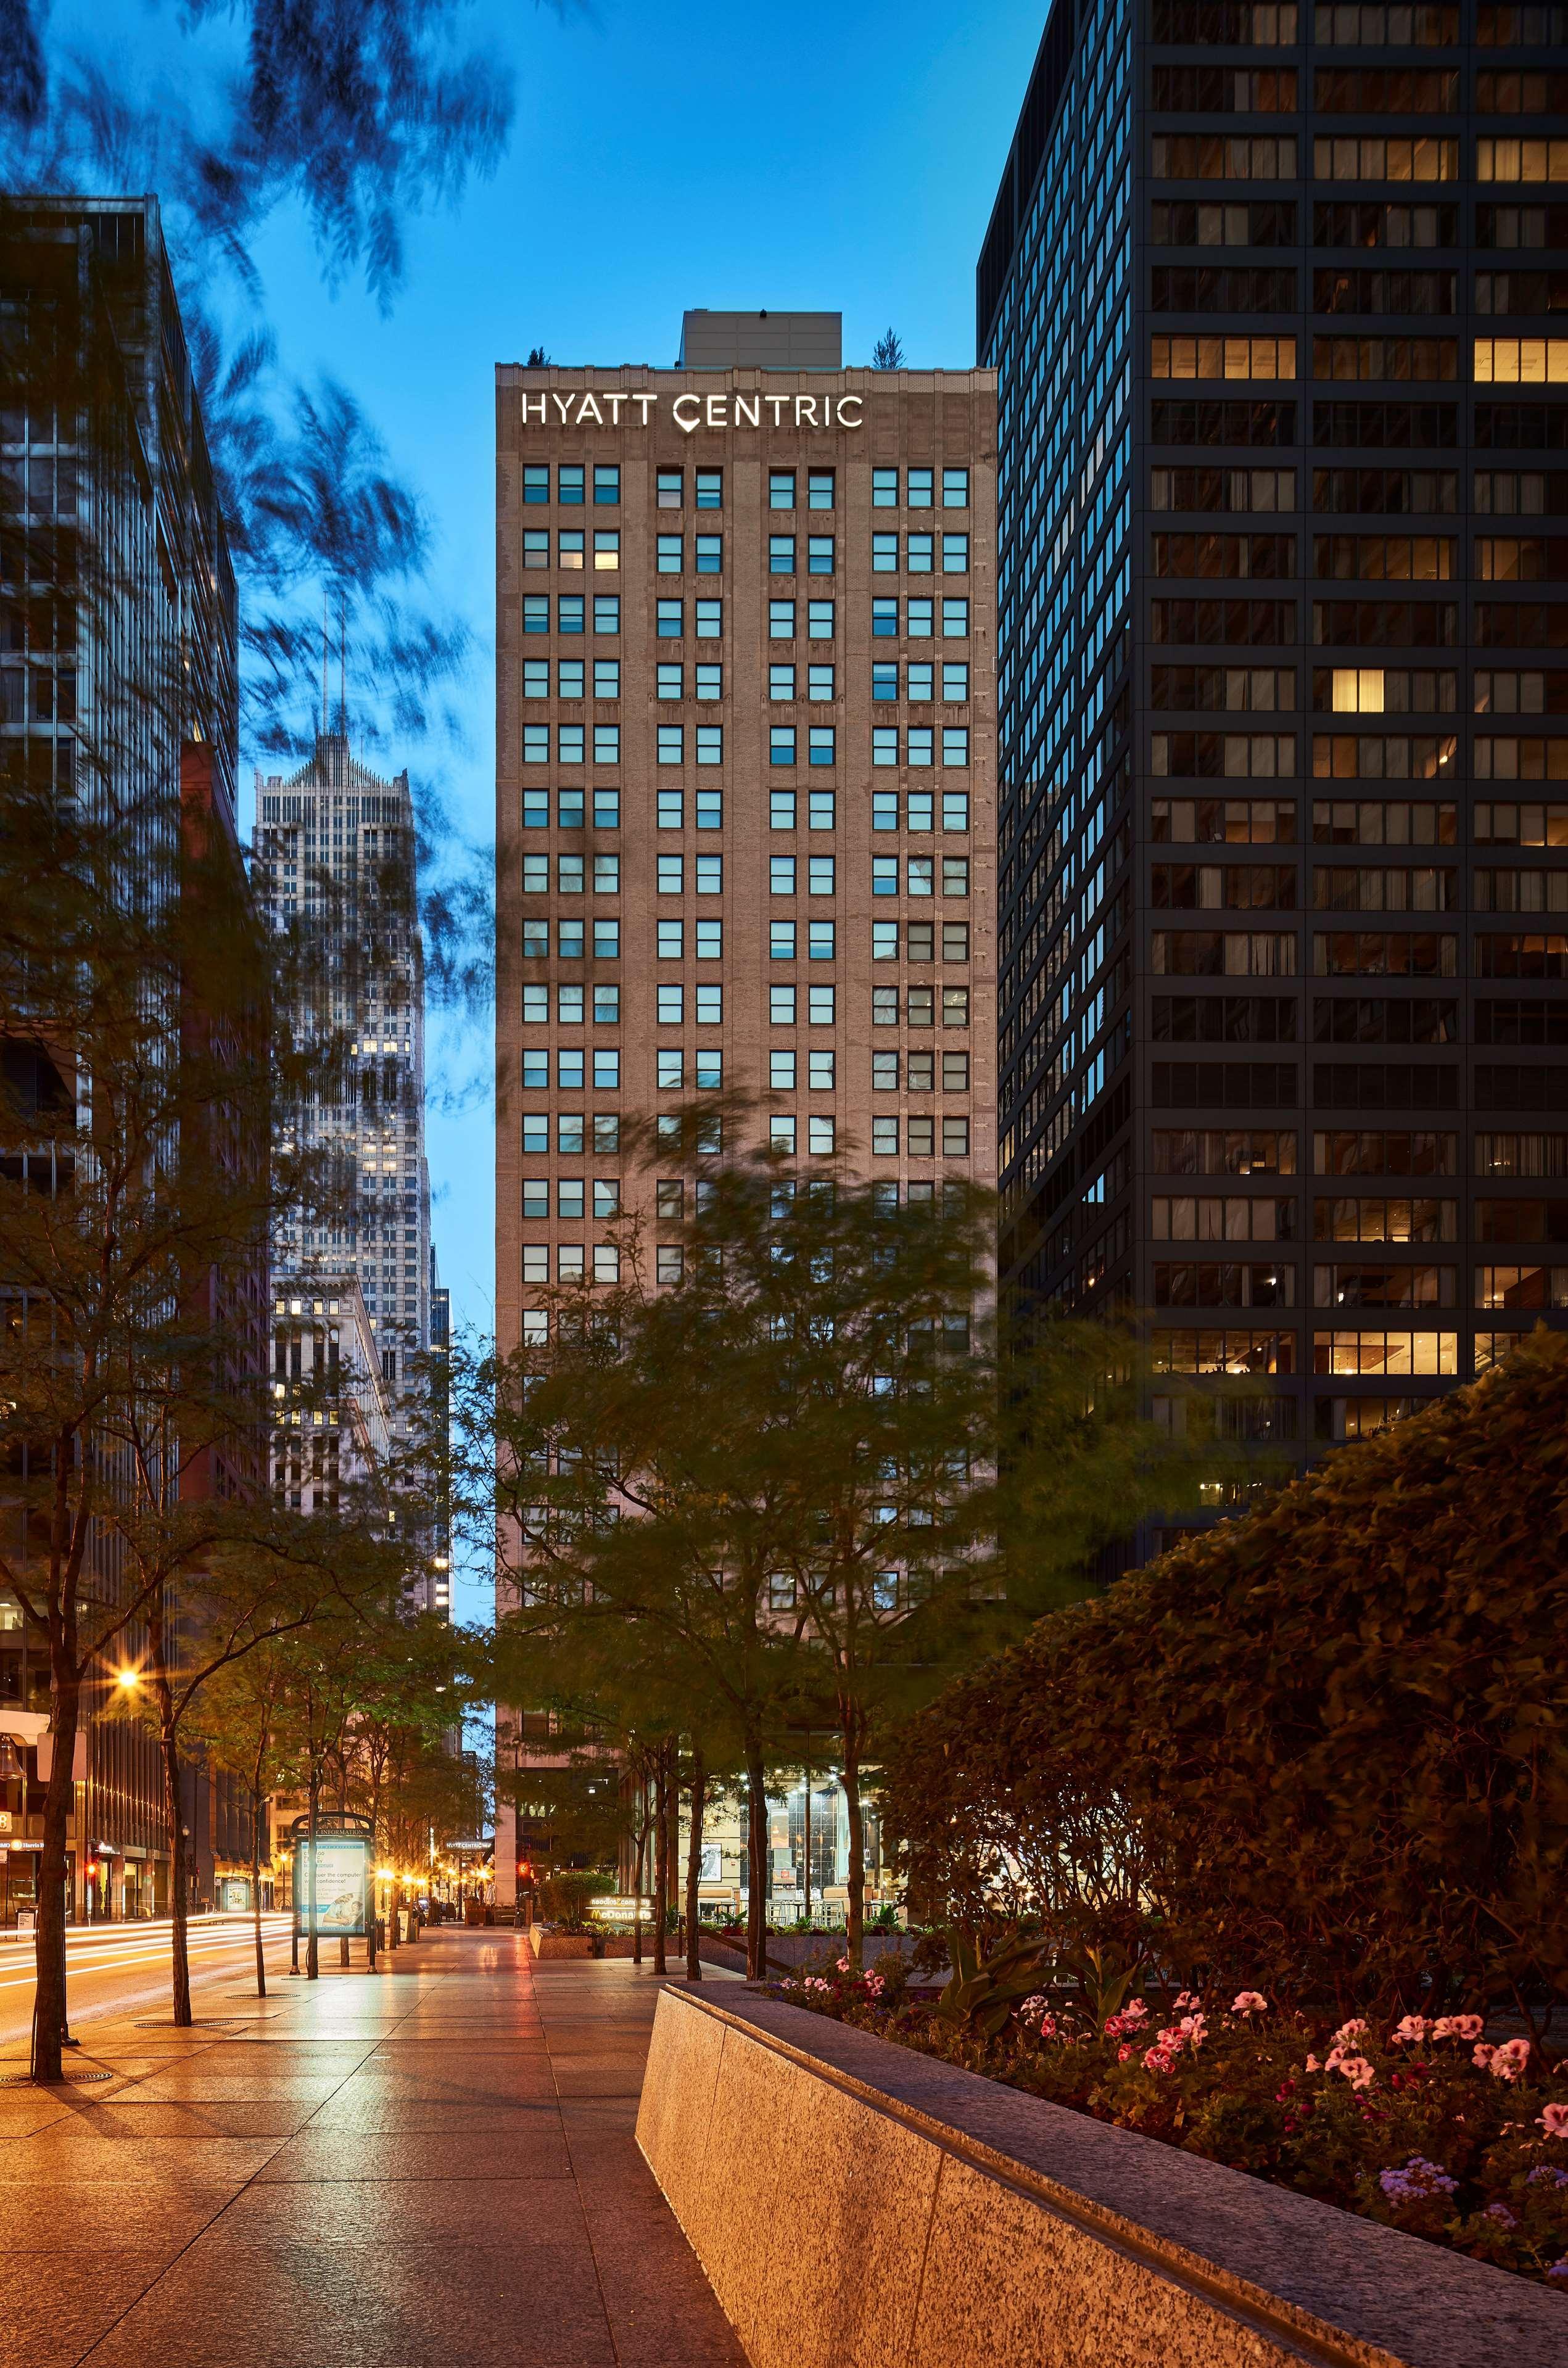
777	156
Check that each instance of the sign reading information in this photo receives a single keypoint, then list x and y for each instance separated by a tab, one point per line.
343	1882
603	407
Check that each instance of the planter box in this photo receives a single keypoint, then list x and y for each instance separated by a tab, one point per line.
561	1944
856	2205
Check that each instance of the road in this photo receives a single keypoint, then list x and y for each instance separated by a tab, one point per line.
122	1968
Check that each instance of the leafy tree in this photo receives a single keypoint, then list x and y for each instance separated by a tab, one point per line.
887	354
245	1721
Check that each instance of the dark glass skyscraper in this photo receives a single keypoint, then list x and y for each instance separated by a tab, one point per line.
1283	1034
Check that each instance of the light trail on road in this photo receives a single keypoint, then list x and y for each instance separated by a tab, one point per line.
125	1968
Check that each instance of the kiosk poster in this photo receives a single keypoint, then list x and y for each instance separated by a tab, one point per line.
342	1869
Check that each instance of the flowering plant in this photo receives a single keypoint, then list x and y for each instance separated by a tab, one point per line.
1422	2124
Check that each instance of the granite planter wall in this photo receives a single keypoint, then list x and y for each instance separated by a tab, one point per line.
560	1944
857	2205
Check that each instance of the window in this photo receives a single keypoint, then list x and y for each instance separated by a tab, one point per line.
569	1131
536	677
606	550
671	809
884	560
607	1006
920	1137
921	678
781	1071
781	875
781	1006
884	871
709	555
955	678
820	1006
884	678
820	682
885	626
671	874
607	743
536	548
570	612
918	493
607	613
536	744
709	1007
819	620
671	743
821	743
884	1138
1522	362
671	1006
955	620
570	544
955	489
1521	160
819	489
781	682
781	1134
884	1073
570	485
1206	156
709	744
820	942
884	489
535	613
884	943
670	1069
884	744
820	809
569	743
781	489
955	744
1405	159
709	872
955	1138
669	551
536	484
781	621
671	680
670	940
709	621
709	808
710	941
919	615
955	555
781	554
920	745
606	678
781	809
955	875
1228	358
606	876
781	744
955	1073
669	489
607	1071
820	875
668	628
954	941
819	1137
607	941
781	940
919	551
710	489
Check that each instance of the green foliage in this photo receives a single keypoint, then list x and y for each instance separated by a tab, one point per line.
983	1993
564	1899
1320	1750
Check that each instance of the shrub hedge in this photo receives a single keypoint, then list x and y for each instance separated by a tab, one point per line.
1322	1751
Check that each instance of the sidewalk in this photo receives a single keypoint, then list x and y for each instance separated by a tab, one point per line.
433	2167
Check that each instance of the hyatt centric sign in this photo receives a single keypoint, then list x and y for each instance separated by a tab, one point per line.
691	412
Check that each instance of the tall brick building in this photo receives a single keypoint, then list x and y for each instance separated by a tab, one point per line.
746	692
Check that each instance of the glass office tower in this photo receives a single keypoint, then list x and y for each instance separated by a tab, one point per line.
1282	420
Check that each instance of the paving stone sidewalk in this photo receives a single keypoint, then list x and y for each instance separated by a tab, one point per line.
432	2167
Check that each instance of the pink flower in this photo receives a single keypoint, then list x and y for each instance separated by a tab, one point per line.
1348	2030
1457	2026
1131	2019
1406	2033
1554	2121
1507	2062
1481	2056
1357	2070
1249	2002
1312	2064
1186	1998
1123	2052
1159	2058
